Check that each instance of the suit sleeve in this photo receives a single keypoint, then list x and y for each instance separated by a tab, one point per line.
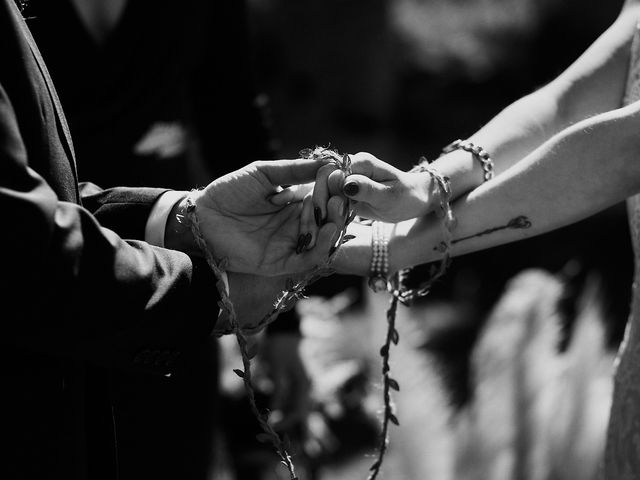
72	287
122	209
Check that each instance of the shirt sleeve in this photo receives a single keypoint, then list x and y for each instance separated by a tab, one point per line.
156	224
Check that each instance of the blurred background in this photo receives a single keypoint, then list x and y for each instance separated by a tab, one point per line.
505	369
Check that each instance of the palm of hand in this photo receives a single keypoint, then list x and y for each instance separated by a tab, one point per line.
240	224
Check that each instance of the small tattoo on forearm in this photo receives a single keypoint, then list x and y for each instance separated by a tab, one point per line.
517	223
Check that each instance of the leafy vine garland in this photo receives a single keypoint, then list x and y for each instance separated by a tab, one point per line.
295	291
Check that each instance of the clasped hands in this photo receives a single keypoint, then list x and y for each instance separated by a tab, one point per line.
273	220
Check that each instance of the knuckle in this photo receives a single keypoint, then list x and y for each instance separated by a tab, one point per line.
257	164
326	169
365	156
367	164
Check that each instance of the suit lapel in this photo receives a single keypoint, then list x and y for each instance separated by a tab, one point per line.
61	120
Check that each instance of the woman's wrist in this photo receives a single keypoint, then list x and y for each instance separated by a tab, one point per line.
399	256
464	173
415	242
425	186
354	257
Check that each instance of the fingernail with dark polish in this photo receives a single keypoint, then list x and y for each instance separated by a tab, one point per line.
351	189
317	213
307	241
301	240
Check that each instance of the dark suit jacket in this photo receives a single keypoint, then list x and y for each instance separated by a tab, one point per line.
77	299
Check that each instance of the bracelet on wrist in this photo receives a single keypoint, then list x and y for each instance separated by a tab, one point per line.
442	192
379	269
478	153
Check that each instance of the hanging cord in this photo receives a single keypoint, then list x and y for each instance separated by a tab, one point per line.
294	291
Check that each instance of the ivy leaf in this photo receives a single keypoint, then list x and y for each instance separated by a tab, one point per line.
393	419
239	372
384	351
393	384
375	466
395	336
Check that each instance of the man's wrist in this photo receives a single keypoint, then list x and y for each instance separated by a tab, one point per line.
178	234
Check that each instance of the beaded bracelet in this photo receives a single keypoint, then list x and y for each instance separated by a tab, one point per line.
478	153
379	270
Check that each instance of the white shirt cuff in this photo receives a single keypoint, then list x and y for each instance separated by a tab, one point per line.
157	222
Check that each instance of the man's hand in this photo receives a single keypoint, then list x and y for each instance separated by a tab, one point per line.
241	224
253	297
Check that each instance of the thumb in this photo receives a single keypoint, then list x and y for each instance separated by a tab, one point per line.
363	189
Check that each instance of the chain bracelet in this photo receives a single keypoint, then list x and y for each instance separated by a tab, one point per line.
478	153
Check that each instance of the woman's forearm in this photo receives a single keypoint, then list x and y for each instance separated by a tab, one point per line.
578	172
593	84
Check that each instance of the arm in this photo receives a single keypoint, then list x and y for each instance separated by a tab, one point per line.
74	288
593	84
580	171
584	169
122	209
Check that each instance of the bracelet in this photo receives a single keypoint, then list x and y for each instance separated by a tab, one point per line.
379	270
479	153
443	191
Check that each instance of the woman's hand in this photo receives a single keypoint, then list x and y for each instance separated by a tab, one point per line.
380	191
377	191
